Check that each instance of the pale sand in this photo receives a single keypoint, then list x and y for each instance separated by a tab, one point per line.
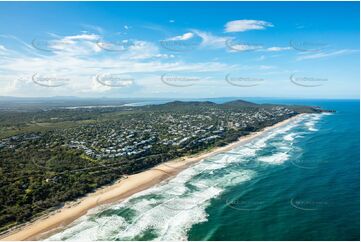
56	221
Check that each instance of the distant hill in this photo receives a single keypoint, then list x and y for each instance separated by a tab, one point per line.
239	103
192	103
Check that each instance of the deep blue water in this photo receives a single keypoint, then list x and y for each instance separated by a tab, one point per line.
298	182
323	178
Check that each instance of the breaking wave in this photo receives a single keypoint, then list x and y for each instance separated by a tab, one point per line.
168	210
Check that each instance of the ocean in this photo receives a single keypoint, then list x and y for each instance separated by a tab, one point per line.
297	182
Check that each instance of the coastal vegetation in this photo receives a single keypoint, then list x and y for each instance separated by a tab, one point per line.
55	155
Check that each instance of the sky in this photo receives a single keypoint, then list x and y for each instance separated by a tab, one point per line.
180	49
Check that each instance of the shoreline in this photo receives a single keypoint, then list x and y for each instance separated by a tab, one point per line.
49	224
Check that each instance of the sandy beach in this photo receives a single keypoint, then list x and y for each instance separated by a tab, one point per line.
56	221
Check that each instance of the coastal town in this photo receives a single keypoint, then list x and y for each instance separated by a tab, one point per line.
59	155
119	139
157	130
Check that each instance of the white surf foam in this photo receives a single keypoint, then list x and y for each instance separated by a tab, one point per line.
278	158
183	202
167	211
289	137
312	120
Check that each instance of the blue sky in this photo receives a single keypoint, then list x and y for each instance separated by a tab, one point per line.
180	49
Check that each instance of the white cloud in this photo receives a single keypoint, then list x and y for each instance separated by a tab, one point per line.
266	67
142	50
141	58
245	25
326	54
185	36
82	44
275	48
210	40
82	37
243	47
2	48
235	46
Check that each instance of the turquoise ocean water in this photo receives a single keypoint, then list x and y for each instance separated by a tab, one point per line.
298	182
